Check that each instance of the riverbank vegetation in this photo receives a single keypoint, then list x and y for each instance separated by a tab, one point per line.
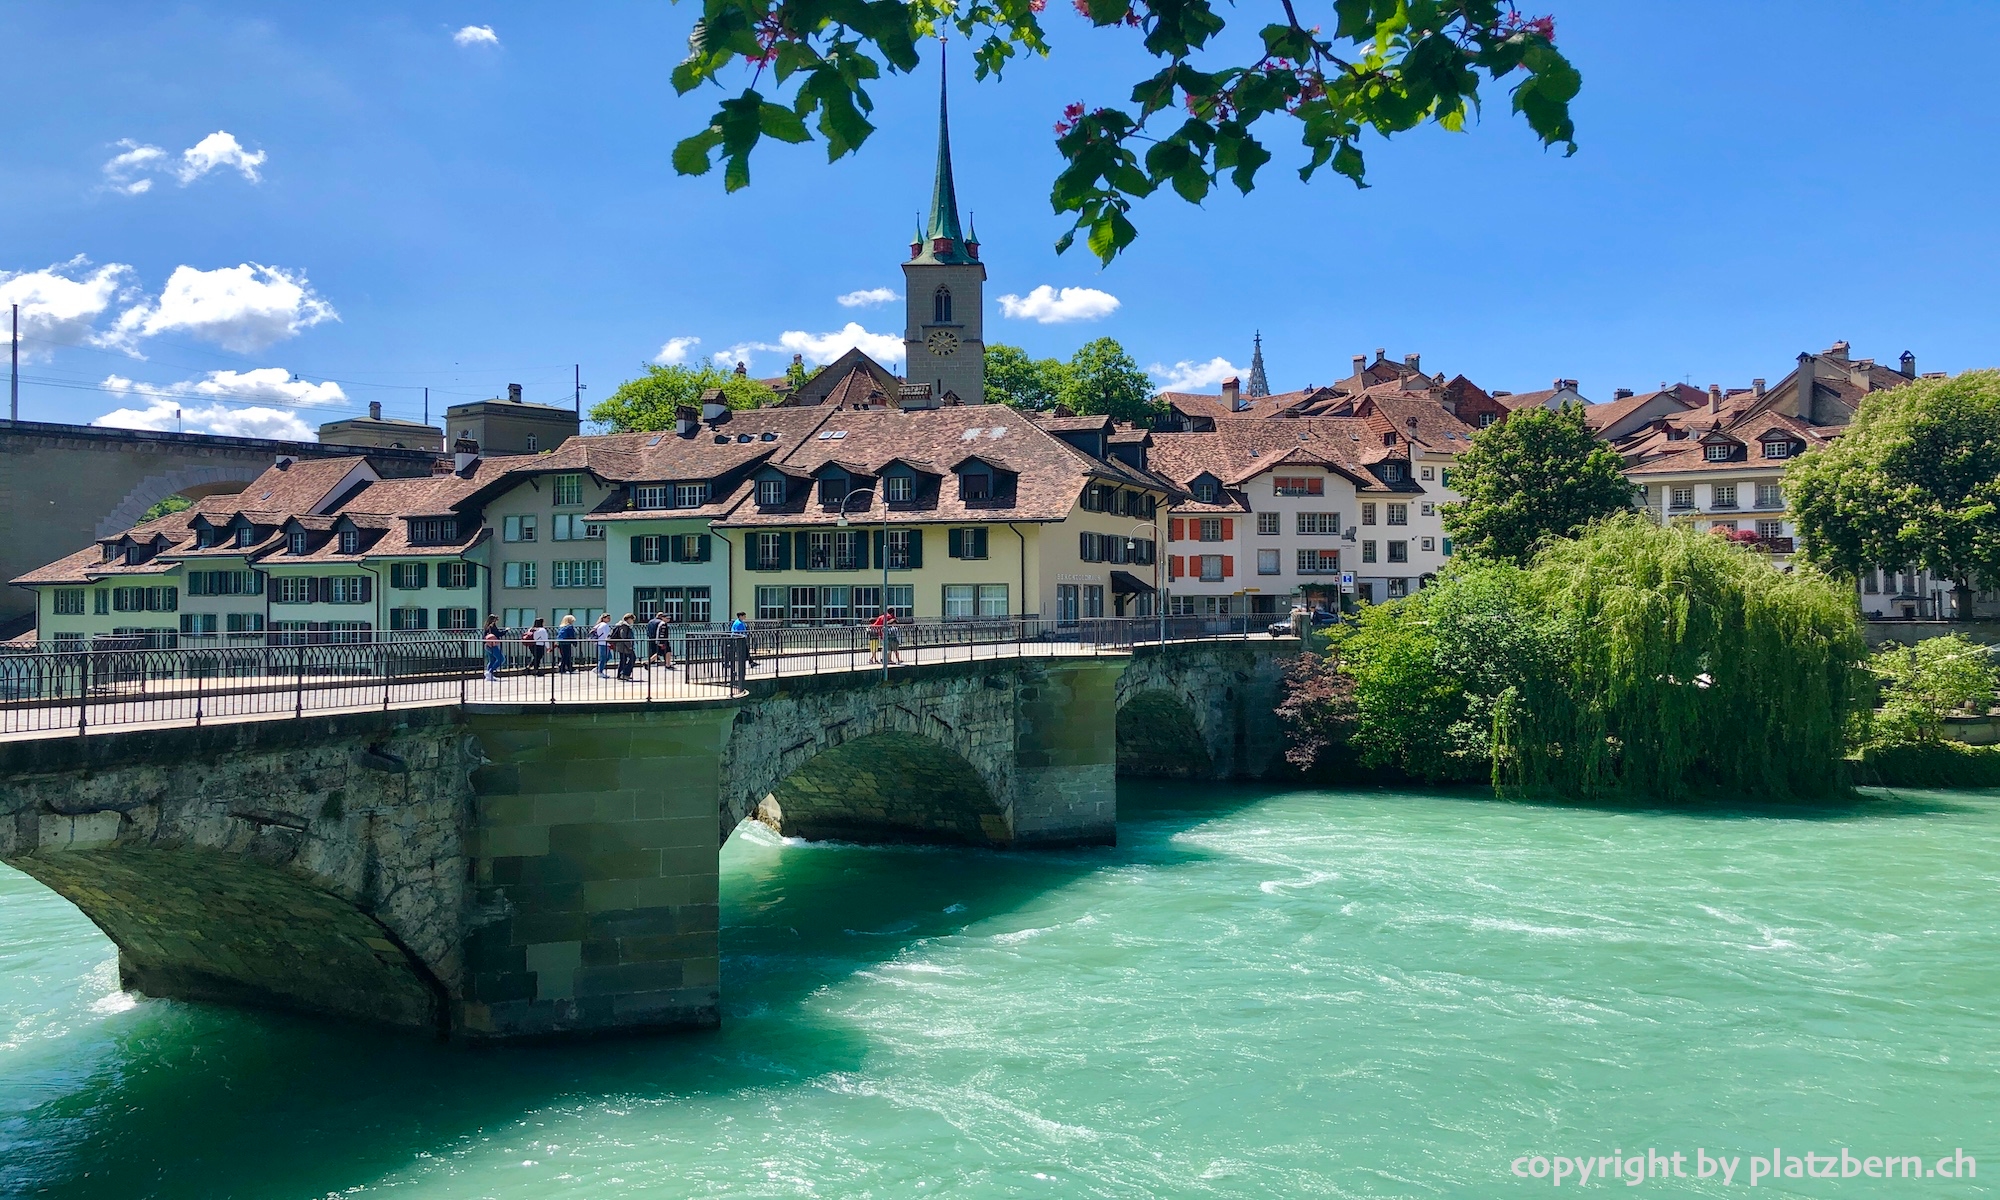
1630	660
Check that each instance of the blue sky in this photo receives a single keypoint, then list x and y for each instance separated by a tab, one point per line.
394	207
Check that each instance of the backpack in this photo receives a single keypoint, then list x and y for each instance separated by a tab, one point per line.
527	637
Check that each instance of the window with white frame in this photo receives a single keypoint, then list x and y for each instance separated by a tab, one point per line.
899	489
1725	495
1398	588
690	495
350	541
770	492
1681	497
575	527
577	573
1770	495
517	529
1320	523
1267	522
1777	448
1319	562
649	495
959	601
1399	552
1428	545
1770	529
569	491
1211	567
1368	551
518	574
1718	452
1399	514
992	600
1368	512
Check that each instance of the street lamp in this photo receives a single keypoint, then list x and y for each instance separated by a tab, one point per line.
882	606
1159	597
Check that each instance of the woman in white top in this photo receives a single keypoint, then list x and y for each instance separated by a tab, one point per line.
601	634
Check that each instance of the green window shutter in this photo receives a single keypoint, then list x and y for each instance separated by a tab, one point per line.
784	550
978	541
750	549
801	550
878	545
916	548
638	549
860	550
954	543
702	550
673	553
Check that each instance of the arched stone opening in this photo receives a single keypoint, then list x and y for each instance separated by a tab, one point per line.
193	482
887	787
197	924
1158	738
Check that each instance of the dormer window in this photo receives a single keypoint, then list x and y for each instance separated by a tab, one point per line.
941	306
770	492
899	489
110	551
435	531
350	541
1718	452
1393	472
649	495
245	535
690	495
1205	490
297	543
1778	448
203	538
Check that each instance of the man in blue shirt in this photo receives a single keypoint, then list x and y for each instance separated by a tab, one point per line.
739	625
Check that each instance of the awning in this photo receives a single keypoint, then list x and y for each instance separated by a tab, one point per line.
1123	582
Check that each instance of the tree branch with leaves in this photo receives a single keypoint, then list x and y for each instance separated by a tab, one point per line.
1388	66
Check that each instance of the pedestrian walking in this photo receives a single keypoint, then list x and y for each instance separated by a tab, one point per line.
891	639
659	643
624	643
567	636
536	637
741	626
875	628
495	653
601	634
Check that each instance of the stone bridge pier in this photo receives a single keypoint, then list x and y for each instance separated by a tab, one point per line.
498	872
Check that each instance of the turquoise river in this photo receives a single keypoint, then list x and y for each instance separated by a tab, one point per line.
1257	993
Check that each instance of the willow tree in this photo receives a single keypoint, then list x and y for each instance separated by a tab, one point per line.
1680	665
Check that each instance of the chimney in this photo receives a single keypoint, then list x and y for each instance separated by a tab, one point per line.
1381	353
1621	393
514	393
1230	397
686	418
1908	365
1411	361
1497	395
1360	363
465	454
1837	352
374	410
712	404
1757	388
1714	398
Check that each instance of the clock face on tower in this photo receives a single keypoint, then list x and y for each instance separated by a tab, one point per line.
942	342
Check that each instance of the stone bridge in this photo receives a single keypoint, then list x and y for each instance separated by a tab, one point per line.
494	872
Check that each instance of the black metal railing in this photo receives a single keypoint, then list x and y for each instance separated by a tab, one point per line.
113	682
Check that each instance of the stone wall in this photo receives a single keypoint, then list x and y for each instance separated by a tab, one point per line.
1227	692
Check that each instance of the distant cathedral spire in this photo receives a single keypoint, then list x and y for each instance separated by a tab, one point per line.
1259	386
944	197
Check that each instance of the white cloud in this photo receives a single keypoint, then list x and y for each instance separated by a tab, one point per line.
60	304
675	352
1188	375
825	347
218	149
130	171
866	297
127	170
1050	307
243	308
476	35
236	403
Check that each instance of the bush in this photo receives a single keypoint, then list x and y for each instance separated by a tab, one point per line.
1937	765
1925	683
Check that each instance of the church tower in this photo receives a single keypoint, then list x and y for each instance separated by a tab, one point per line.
944	286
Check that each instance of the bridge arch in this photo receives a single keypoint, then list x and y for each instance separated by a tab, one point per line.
888	786
1160	737
197	923
193	482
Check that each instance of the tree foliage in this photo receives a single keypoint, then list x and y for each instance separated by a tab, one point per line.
1102	378
1014	379
1428	670
1925	683
1680	664
172	504
1386	66
1914	480
649	401
1537	476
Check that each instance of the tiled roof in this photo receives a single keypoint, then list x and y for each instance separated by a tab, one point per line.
1240	450
87	565
1603	416
1050	473
837	374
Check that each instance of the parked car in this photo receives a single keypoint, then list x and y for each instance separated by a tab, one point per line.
1321	618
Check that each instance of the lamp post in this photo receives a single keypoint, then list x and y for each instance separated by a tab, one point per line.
883	606
1159	597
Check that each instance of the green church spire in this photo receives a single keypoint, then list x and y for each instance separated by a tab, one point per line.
944	197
